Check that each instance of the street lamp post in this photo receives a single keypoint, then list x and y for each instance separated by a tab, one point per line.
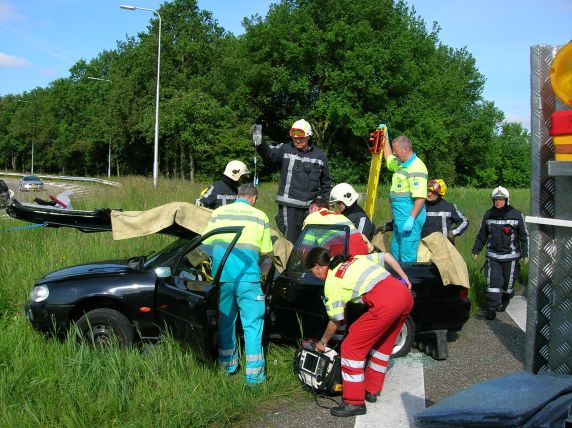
156	145
109	154
33	135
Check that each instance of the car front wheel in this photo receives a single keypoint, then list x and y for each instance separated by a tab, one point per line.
404	340
104	327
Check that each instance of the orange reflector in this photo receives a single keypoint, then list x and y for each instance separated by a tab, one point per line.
561	74
144	309
338	387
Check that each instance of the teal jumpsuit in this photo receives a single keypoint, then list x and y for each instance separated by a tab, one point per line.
240	289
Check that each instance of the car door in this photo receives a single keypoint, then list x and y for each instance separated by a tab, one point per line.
295	297
187	300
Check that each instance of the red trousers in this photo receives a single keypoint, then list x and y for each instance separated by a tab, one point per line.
373	333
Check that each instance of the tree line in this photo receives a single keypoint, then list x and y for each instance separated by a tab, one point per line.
344	66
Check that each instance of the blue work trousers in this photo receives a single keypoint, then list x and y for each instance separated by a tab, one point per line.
247	298
404	245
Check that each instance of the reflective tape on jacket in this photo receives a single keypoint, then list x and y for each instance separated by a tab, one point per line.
349	281
242	263
408	181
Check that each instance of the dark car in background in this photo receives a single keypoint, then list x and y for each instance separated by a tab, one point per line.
174	289
31	183
4	194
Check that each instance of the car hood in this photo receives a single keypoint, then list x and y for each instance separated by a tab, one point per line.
102	268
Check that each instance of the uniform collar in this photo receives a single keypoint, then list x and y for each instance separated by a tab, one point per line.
408	161
244	201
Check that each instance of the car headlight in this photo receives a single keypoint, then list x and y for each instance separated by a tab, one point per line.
39	293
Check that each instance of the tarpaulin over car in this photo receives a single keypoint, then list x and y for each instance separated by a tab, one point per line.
131	224
452	267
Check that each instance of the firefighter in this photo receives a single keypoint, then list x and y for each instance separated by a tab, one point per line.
319	214
345	198
442	215
224	191
407	197
373	334
504	231
304	175
240	289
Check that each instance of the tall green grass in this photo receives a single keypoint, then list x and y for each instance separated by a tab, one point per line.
45	382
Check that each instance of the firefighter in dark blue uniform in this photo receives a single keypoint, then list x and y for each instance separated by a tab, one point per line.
304	175
504	231
442	216
224	191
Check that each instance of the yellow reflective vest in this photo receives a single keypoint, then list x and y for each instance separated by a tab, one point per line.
350	280
242	263
409	178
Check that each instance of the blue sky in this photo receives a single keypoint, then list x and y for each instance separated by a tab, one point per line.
41	39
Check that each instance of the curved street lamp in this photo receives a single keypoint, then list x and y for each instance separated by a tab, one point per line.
156	146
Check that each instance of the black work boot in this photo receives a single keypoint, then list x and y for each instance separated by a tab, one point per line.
370	397
490	313
346	409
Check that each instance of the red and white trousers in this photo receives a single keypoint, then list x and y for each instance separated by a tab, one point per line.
374	334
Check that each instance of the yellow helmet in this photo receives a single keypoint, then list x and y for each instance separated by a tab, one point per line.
438	186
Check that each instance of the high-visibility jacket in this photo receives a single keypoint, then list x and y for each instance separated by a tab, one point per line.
357	244
242	263
409	178
350	280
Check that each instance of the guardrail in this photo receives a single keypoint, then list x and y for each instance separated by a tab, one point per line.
66	178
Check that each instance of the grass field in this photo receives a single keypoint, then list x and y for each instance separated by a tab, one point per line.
45	382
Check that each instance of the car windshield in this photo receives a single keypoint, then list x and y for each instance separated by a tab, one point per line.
31	178
158	258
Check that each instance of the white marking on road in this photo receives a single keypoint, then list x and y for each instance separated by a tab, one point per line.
403	396
517	311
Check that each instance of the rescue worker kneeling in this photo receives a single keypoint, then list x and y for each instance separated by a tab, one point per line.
389	303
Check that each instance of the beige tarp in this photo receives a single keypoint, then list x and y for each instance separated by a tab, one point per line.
281	249
130	224
452	267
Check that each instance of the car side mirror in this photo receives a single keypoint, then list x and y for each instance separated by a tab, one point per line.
163	272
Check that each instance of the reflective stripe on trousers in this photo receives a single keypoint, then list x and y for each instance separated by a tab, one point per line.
404	245
246	298
373	334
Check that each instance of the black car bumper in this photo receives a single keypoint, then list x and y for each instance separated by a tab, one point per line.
46	318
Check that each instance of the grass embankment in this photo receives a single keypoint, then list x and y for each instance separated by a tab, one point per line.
50	383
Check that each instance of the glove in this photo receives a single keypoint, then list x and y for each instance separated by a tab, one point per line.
383	126
408	226
525	260
451	235
256	134
475	257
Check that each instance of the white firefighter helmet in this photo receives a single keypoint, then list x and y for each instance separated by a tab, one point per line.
301	128
345	193
235	169
500	193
